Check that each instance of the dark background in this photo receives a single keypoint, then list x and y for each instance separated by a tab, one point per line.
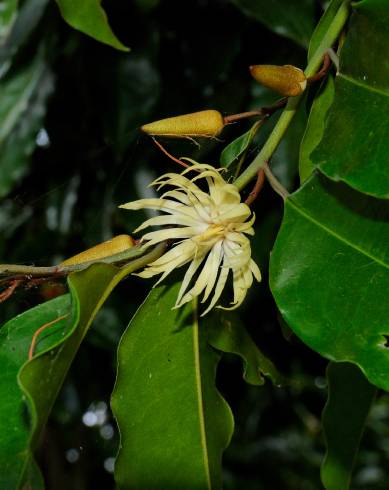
90	157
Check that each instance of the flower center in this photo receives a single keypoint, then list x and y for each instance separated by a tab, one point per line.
213	233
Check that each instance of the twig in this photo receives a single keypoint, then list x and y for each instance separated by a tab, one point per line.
9	290
257	187
328	38
323	70
263	111
274	182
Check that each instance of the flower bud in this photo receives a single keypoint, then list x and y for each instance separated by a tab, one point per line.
287	80
114	246
204	123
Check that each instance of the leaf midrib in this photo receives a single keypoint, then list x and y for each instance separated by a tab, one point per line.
365	86
199	390
334	234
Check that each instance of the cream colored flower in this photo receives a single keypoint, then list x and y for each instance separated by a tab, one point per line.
211	229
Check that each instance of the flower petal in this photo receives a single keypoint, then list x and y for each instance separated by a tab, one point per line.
211	228
169	234
196	262
168	220
218	289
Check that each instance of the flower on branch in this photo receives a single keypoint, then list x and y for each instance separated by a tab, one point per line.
209	231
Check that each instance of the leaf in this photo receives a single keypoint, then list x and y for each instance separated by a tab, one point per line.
15	340
38	381
135	91
227	334
329	274
282	17
173	422
89	17
8	14
350	397
23	99
315	127
323	26
355	145
29	14
237	147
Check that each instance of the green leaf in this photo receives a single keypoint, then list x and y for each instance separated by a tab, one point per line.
173	422
294	20
350	397
237	147
38	381
23	100
29	14
8	14
315	127
89	17
355	145
15	340
329	274
322	26
135	91
227	333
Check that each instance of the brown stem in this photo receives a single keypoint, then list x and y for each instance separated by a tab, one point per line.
323	70
10	290
263	111
257	188
274	182
243	115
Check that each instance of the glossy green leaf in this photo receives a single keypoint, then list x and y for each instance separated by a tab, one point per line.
23	100
32	478
290	18
237	147
173	422
329	274
90	18
322	26
350	396
315	127
15	340
8	14
38	381
355	146
227	333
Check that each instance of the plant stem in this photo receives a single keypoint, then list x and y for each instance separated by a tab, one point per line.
290	110
277	186
121	258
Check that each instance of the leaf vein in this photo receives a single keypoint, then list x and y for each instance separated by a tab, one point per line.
370	88
334	234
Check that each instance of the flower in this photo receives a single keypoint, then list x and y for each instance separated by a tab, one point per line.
211	229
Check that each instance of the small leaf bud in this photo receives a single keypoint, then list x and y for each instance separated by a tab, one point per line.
114	246
287	80
207	124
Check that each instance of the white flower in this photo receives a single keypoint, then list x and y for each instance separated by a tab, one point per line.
211	229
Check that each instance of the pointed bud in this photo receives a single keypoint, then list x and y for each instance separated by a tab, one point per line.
287	80
204	123
114	246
